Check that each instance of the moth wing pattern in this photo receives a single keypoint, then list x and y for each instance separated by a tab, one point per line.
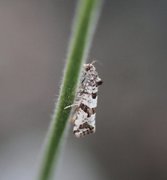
83	116
84	119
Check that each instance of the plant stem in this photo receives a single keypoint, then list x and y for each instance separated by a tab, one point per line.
84	26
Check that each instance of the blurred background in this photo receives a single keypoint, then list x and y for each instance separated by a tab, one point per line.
130	46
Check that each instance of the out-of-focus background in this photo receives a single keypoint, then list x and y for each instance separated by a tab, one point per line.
130	46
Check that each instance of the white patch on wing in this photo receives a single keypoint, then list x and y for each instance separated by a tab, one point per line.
86	99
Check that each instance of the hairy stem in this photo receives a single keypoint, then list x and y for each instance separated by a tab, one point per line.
83	29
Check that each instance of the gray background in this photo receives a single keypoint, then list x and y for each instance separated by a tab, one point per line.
130	46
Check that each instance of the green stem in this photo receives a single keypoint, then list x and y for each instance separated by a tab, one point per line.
83	30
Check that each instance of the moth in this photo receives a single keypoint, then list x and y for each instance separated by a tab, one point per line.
84	108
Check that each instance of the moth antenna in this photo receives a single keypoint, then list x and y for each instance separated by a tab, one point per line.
93	62
96	61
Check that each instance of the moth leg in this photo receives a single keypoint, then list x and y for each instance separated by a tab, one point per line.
74	115
70	106
72	120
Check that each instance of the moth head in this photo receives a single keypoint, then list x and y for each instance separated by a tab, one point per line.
89	67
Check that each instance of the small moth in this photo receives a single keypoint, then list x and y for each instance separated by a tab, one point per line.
84	111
